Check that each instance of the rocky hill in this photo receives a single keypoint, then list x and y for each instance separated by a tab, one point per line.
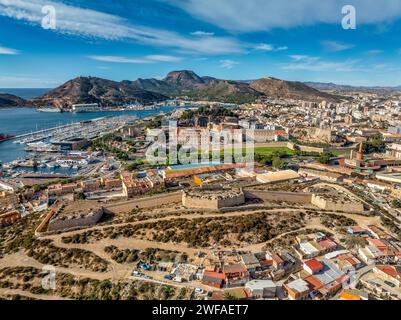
184	79
276	88
96	90
9	100
187	83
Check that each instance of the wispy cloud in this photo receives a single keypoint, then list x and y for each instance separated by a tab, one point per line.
26	81
116	59
228	64
270	47
163	58
147	59
202	33
336	46
300	57
5	50
316	64
77	21
261	15
375	51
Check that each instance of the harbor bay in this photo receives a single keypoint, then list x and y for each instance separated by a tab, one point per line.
20	121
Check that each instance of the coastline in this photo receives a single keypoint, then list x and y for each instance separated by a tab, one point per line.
17	121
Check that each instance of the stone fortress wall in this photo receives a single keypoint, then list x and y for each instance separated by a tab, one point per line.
269	196
329	205
82	219
212	199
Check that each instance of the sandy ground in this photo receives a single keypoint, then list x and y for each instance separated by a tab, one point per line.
119	272
4	292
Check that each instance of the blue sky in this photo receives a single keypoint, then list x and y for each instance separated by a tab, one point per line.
231	39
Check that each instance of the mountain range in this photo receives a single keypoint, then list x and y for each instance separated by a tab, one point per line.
347	88
175	84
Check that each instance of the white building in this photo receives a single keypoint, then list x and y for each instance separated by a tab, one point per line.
261	289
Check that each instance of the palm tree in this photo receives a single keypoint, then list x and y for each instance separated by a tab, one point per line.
229	296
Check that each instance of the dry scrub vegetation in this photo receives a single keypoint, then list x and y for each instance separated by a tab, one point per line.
67	286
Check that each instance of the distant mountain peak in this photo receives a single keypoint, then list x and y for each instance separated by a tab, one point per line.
183	77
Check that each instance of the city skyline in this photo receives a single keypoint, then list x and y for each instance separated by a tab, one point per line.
147	39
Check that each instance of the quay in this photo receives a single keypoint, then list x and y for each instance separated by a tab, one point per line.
50	130
41	131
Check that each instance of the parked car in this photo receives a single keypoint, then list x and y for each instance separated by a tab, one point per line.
392	285
199	291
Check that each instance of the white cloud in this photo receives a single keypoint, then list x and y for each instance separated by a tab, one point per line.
265	47
94	24
26	81
316	64
228	64
270	47
4	50
375	51
163	58
259	15
202	33
300	57
117	59
147	59
335	46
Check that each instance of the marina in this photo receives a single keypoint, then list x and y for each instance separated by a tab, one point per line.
29	126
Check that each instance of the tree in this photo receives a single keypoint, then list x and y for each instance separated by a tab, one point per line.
80	196
396	203
352	242
325	157
376	144
278	163
229	296
168	292
36	188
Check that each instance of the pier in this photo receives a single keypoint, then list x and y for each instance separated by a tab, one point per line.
34	134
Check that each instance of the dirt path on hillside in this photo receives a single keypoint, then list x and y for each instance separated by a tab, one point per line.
188	217
20	259
4	292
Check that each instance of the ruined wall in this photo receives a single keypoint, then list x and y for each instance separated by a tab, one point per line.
145	203
269	196
214	204
326	204
302	148
85	220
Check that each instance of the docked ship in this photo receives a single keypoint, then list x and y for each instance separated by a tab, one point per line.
4	137
49	109
82	108
40	147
